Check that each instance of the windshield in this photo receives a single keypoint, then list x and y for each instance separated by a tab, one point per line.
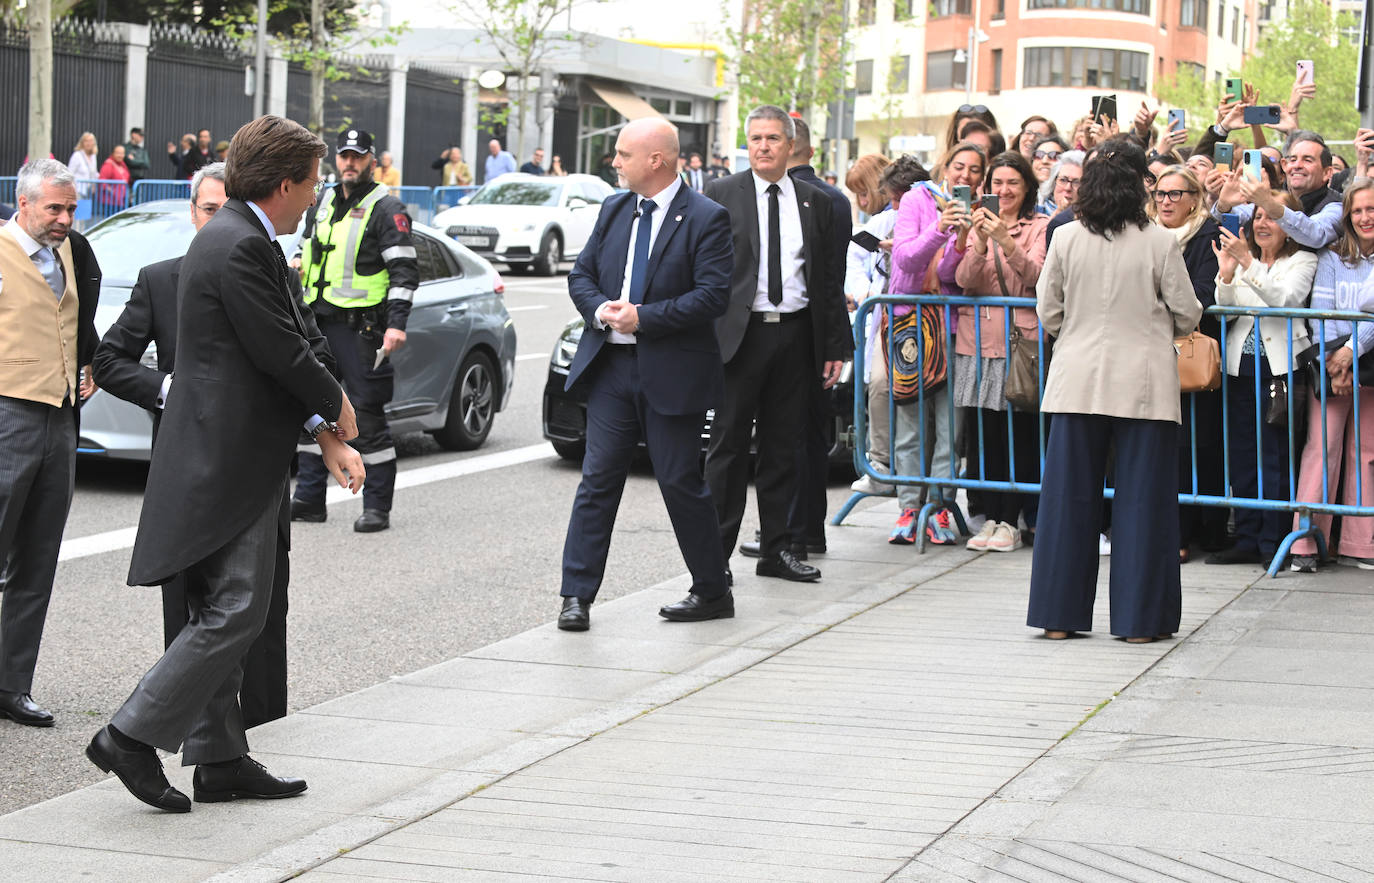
517	193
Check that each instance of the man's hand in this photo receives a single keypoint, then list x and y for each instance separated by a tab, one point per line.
1232	194
1144	119
343	462
393	339
1300	91
831	373
88	386
348	421
621	315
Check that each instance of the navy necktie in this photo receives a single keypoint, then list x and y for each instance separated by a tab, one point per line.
641	259
774	247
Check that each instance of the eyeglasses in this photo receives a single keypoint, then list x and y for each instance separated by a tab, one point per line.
973	108
1047	154
1171	195
1070	183
316	185
207	208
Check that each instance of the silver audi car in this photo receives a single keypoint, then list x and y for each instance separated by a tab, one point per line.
452	376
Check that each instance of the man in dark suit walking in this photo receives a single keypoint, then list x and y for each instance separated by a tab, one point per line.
650	282
247	378
151	317
786	326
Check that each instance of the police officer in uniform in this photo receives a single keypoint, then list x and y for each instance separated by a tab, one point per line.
359	271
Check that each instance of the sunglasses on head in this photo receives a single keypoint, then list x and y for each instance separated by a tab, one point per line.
973	108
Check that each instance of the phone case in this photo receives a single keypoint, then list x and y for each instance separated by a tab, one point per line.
1305	73
1235	88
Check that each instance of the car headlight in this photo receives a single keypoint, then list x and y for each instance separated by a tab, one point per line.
563	352
522	228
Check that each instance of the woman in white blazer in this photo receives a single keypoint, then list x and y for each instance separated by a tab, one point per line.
1260	268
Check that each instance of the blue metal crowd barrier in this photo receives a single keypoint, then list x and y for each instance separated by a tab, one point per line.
449	196
7	187
152	189
973	476
419	200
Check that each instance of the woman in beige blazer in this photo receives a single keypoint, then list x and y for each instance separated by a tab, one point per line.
1115	291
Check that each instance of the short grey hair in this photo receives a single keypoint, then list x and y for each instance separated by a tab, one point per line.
1074	158
773	112
36	173
213	170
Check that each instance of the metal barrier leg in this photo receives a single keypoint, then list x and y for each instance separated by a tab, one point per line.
922	517
1304	528
848	507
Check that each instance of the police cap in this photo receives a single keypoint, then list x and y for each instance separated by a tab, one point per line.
355	140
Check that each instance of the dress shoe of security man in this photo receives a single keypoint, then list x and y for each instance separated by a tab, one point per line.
241	779
576	615
372	520
695	608
138	768
785	565
302	511
20	708
800	551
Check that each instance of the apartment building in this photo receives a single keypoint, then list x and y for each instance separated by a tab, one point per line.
916	61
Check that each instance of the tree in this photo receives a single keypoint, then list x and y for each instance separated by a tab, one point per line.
789	53
283	16
520	32
893	106
39	13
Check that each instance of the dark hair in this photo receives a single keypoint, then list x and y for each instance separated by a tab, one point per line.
1168	157
135	131
202	129
996	142
1308	135
1012	159
965	111
962	147
1037	118
1289	202
1111	193
267	151
1050	139
904	171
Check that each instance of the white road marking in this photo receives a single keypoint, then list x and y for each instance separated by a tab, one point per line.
527	307
123	538
528	356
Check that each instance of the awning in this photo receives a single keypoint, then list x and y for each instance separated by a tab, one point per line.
626	103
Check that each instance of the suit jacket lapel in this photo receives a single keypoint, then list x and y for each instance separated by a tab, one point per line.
671	222
805	210
750	199
283	284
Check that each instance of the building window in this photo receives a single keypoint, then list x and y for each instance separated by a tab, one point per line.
863	77
682	108
1221	18
899	75
1140	7
1080	66
662	105
939	8
1193	14
1235	25
1192	67
999	12
943	72
868	12
996	85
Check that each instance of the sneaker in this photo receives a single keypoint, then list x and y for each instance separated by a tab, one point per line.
904	534
979	541
1361	563
1304	564
940	529
975	523
866	485
1104	544
1005	538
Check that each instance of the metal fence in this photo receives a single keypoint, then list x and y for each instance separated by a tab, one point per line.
973	474
150	189
449	196
419	202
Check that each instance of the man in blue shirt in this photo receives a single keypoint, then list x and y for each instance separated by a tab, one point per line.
499	162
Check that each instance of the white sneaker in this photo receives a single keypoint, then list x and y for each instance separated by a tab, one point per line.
866	485
1005	538
1104	544
979	541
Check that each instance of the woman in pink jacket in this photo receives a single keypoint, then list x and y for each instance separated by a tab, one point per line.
931	228
1012	239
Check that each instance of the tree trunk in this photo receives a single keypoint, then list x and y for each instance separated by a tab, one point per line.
517	114
318	39
40	78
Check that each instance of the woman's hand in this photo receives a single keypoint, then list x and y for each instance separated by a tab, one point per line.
1237	248
952	216
1339	368
996	229
1226	262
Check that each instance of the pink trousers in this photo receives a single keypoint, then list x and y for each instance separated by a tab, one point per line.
1357	534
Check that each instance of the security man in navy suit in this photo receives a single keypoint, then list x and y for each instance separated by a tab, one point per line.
650	283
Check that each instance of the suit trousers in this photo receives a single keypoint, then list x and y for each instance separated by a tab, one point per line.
263	693
1145	594
806	517
765	394
618	415
191	694
37	476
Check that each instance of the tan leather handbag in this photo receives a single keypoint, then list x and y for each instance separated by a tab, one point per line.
1199	363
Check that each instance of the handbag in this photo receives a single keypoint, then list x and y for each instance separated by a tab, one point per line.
1316	370
915	348
1199	363
1022	389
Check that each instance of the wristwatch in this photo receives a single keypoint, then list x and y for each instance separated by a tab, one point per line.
324	425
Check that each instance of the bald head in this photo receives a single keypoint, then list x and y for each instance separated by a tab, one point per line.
646	155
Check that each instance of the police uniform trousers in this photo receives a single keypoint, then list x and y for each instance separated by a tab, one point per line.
1145	595
37	476
369	391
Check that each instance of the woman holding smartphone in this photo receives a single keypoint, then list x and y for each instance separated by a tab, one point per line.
1006	251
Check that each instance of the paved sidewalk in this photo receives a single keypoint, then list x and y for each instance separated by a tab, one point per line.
895	721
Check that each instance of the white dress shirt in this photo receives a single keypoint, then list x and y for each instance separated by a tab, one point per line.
790	232
661	200
32	246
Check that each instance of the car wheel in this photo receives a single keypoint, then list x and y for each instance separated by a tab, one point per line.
550	254
473	406
570	450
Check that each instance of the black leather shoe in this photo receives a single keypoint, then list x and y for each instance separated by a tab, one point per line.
372	520
815	547
729	577
695	608
246	779
139	770
20	708
303	511
786	565
576	615
1235	555
750	550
